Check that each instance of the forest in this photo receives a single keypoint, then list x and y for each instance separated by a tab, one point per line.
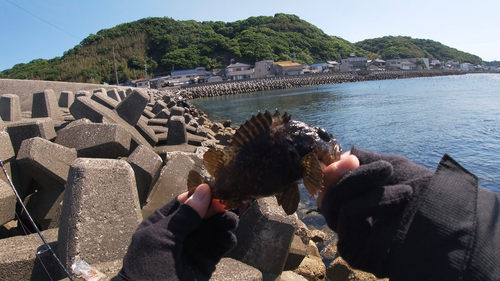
159	45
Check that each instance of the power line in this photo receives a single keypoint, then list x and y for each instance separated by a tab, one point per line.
43	20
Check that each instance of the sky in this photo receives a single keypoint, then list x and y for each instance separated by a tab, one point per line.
32	29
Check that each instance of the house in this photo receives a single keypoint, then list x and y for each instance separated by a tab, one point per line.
407	65
334	64
142	83
466	66
263	68
195	75
238	71
321	67
287	68
376	64
353	63
392	64
422	63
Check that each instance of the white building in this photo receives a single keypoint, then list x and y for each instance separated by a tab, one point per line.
321	67
353	63
238	71
466	66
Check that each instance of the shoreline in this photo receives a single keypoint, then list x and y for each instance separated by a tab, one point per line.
287	82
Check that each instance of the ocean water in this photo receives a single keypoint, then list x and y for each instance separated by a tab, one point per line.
419	118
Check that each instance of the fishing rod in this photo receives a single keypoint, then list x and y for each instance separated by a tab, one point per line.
33	222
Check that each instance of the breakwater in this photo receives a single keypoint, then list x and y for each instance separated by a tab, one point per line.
287	82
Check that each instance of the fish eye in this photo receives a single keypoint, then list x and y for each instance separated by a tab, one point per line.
323	134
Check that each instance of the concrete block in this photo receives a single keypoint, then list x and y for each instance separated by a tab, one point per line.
22	259
146	132
298	251
264	236
66	99
6	154
44	207
99	90
158	122
146	164
131	108
113	93
176	131
172	182
10	107
177	111
84	107
83	93
96	140
159	106
30	128
45	105
171	104
229	269
122	94
103	99
46	162
166	99
100	213
7	203
163	114
147	114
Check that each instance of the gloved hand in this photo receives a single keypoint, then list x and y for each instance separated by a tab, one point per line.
371	208
175	243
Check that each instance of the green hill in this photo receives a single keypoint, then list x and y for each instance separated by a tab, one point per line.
390	47
164	44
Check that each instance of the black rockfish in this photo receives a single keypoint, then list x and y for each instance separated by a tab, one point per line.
268	155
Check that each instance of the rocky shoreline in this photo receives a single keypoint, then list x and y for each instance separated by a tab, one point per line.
287	82
91	164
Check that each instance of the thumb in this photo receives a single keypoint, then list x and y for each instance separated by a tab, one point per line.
334	173
200	200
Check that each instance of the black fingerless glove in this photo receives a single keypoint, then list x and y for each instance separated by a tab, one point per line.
174	243
371	209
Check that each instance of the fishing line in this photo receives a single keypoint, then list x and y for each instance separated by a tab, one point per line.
33	222
43	20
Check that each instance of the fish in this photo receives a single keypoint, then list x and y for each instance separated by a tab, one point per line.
268	155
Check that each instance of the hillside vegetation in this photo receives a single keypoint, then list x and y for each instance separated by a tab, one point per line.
391	47
165	44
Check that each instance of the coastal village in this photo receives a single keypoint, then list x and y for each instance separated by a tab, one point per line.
269	68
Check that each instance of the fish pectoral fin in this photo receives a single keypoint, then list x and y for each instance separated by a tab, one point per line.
289	199
313	175
213	160
193	181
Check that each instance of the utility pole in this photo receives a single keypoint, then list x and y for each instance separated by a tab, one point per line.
145	71
114	64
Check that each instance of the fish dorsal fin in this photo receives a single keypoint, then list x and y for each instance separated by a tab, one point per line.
257	125
213	160
313	175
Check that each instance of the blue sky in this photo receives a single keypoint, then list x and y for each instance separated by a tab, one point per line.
33	29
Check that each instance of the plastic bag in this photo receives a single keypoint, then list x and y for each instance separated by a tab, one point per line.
82	269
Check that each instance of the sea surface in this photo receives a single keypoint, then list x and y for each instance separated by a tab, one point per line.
419	118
